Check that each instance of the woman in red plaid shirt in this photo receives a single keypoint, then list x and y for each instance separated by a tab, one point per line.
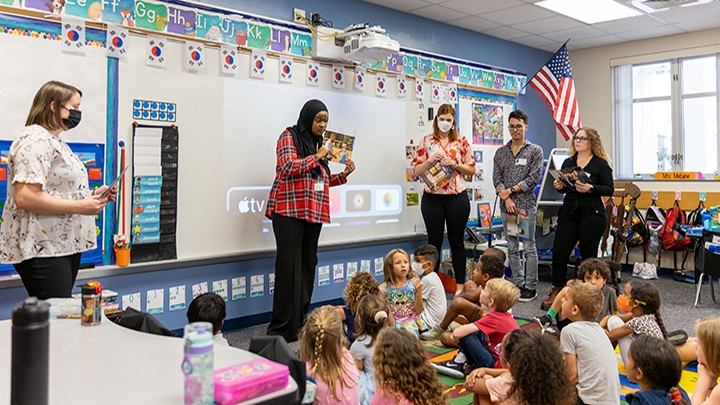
299	204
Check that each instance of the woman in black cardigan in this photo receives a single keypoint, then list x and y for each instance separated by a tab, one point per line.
582	215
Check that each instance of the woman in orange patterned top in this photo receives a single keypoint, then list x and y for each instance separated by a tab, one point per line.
447	205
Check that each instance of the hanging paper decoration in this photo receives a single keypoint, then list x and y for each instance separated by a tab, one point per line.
73	32
228	59
444	94
257	64
116	42
286	64
453	96
381	84
360	78
194	56
436	93
313	74
155	51
419	90
338	76
401	86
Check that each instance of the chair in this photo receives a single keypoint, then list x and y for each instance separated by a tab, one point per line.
706	263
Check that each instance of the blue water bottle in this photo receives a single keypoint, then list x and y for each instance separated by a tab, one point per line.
198	364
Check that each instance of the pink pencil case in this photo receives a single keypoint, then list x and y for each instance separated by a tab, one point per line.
249	380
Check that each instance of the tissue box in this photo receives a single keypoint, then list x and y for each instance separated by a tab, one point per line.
245	381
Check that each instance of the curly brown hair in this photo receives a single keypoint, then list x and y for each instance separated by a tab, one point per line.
595	143
322	344
536	354
590	266
372	316
401	366
359	286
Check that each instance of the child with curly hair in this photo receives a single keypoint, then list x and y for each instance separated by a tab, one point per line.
655	366
402	372
708	355
328	362
592	271
403	291
534	355
372	316
359	286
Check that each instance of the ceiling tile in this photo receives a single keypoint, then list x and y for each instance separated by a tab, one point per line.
519	14
401	5
628	24
505	33
548	24
596	41
574	33
697	25
534	41
689	13
475	7
438	13
550	48
474	23
651	32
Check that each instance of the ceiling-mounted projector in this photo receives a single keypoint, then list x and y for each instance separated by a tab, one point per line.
357	43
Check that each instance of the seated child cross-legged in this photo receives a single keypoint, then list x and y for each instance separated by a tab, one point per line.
490	266
533	355
592	271
358	287
402	372
433	292
589	356
402	290
209	307
655	366
478	340
372	317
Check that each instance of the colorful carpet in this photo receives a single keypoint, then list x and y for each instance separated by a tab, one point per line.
457	395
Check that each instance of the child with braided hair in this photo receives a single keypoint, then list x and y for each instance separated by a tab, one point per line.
403	374
328	362
373	314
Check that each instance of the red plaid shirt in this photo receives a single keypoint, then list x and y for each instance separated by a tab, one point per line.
293	191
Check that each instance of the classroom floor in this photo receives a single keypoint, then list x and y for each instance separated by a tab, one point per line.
677	308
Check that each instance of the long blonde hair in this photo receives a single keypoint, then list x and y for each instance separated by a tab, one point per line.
388	267
595	143
321	344
55	94
401	366
708	336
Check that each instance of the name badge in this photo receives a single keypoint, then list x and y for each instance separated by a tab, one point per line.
521	161
432	148
319	186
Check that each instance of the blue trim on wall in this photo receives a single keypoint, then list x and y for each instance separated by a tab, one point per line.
111	155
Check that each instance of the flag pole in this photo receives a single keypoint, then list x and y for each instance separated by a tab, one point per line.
533	76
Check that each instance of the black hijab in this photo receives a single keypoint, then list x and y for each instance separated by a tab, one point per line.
307	143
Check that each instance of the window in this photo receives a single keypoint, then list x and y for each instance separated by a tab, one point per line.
665	116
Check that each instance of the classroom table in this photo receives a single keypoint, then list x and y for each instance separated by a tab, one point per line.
110	364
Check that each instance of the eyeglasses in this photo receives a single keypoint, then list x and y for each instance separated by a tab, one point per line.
516	127
498	351
580	138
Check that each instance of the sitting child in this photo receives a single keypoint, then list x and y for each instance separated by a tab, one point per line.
477	340
591	271
209	307
434	300
466	303
402	372
358	287
655	366
403	291
708	354
372	316
534	355
589	356
328	362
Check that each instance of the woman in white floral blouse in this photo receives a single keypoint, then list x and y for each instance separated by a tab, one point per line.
48	219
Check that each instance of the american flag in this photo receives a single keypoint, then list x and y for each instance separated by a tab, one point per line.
554	83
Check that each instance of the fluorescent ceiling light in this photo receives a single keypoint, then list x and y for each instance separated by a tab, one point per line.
590	11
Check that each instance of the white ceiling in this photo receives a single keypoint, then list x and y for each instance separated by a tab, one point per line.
523	22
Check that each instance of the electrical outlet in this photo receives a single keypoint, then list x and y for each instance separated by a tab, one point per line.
298	16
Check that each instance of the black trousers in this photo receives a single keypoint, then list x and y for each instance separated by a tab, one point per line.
586	226
49	277
297	242
453	210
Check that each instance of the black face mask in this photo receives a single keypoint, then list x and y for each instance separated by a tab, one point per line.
73	120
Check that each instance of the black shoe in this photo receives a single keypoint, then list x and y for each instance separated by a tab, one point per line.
527	295
450	368
544	321
677	337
